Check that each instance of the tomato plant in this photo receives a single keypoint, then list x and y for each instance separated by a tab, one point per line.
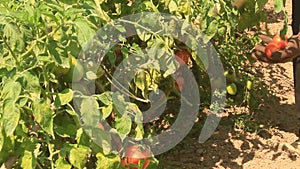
40	45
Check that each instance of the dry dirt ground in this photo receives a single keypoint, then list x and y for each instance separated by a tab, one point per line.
266	149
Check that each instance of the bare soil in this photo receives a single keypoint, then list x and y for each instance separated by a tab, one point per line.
276	118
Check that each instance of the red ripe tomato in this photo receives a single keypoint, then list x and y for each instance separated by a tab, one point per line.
124	162
280	42
182	56
100	126
134	154
118	50
271	48
179	83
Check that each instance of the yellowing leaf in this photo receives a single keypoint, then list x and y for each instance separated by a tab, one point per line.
62	164
172	6
64	97
28	160
108	161
43	115
8	93
1	139
106	111
78	157
89	111
11	116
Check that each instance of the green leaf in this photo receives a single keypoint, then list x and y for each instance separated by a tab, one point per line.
43	115
64	97
62	164
91	75
120	28
32	82
12	32
28	160
150	6
123	125
105	98
172	6
261	3
84	31
67	130
78	156
102	14
1	139
278	5
106	111
102	138
211	30
284	29
133	109
141	82
107	162
139	131
11	116
89	112
119	102
8	93
143	35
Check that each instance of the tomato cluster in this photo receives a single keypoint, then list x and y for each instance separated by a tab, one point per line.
276	44
134	154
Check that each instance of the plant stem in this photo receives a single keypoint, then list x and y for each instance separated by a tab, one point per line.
11	51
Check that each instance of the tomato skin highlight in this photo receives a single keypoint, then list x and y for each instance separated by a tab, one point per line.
279	41
271	48
134	154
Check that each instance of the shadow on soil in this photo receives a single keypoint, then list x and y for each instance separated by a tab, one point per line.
220	151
